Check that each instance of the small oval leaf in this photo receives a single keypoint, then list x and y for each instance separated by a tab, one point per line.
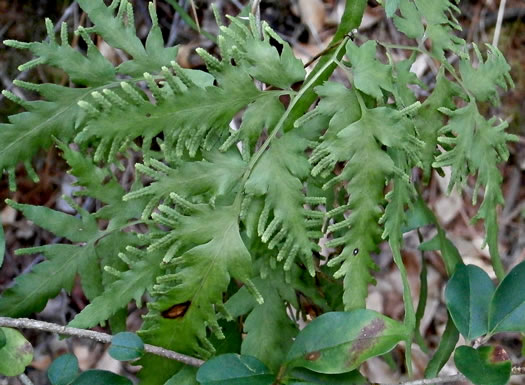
16	354
63	370
487	365
339	342
507	309
100	377
126	346
234	369
468	295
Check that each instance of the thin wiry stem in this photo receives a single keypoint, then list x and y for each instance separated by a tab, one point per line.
26	323
501	12
25	380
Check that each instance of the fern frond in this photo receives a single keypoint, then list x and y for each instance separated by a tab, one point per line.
211	253
28	132
265	112
214	176
32	290
370	75
283	222
130	285
90	70
258	57
367	169
432	20
429	120
478	145
119	32
483	80
187	125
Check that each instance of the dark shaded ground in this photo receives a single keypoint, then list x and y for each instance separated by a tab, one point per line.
308	29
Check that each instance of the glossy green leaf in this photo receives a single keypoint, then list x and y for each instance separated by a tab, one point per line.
126	346
186	376
310	377
339	342
487	365
507	309
100	377
16	354
63	370
468	296
234	369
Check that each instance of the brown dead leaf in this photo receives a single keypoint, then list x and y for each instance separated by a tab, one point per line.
313	15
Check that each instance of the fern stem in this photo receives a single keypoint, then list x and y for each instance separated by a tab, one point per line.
352	15
306	88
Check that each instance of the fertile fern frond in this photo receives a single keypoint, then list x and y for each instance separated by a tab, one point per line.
251	49
202	251
91	70
429	120
59	114
483	80
120	117
28	132
284	222
130	285
214	176
119	32
262	114
359	144
477	146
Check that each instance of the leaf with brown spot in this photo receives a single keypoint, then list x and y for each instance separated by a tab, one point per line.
339	342
176	311
487	365
16	354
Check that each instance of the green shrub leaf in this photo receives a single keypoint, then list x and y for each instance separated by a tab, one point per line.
339	342
126	346
468	296
16	354
3	339
487	365
507	309
100	377
309	377
234	369
63	370
185	376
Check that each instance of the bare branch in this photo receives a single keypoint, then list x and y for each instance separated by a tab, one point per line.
26	323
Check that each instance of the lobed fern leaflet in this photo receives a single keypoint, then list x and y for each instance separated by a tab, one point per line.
284	222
